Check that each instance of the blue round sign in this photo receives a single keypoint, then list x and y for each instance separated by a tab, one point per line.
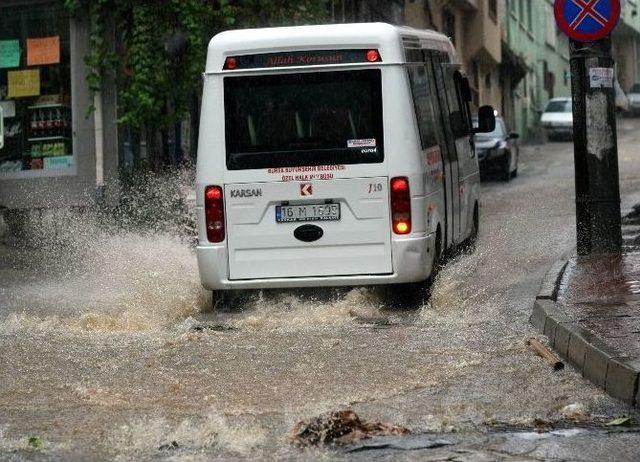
587	20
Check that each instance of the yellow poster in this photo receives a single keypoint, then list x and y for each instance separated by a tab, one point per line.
24	83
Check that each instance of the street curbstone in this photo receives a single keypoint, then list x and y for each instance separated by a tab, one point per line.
550	283
538	316
550	325
622	379
576	351
599	362
562	337
595	366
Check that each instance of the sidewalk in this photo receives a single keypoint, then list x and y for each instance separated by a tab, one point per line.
589	307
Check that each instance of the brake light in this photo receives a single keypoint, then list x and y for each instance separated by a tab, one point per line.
230	64
401	205
373	56
214	213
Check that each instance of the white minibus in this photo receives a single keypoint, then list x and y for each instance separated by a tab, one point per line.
334	155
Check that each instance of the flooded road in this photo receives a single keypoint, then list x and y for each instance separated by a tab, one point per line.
106	354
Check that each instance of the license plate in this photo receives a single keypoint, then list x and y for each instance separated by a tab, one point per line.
310	212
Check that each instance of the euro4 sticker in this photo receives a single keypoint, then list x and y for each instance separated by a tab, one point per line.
365	143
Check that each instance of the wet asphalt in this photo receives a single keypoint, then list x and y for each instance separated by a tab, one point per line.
106	354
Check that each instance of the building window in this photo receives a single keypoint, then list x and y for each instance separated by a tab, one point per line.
487	81
530	16
493	10
521	12
449	25
475	83
35	91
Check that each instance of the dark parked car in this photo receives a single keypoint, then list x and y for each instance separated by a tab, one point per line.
498	151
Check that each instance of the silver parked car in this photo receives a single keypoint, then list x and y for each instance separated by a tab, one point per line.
557	119
634	100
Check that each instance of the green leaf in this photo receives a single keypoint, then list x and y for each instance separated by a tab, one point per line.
623	422
35	442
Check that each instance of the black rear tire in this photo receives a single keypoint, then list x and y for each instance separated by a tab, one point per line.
414	295
506	172
410	296
215	300
470	244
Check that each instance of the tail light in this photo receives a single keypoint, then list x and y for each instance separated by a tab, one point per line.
373	56
230	64
214	213
401	205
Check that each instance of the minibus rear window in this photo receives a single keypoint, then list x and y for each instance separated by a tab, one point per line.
304	119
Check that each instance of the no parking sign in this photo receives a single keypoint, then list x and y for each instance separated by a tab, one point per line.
587	20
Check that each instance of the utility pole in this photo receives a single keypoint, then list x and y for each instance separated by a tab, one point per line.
589	24
598	219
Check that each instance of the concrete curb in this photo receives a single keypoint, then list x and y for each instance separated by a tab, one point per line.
602	364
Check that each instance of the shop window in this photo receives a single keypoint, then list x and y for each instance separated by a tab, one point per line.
487	81
35	91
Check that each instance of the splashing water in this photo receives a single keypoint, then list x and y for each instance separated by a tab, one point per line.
83	270
133	269
213	430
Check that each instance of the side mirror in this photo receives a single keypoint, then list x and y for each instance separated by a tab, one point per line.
486	120
514	136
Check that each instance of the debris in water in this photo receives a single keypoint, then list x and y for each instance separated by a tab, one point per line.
35	442
548	355
362	318
399	444
340	427
213	327
576	412
169	447
622	422
542	426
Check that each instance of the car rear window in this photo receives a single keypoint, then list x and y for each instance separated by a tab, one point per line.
559	106
303	119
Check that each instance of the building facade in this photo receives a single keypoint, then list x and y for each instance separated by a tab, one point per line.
536	65
515	58
475	27
626	45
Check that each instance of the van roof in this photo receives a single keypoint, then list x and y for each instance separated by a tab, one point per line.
388	39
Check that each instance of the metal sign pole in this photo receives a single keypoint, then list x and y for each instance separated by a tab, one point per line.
595	148
589	24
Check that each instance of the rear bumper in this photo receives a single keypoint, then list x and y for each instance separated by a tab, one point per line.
563	131
492	163
412	262
634	108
